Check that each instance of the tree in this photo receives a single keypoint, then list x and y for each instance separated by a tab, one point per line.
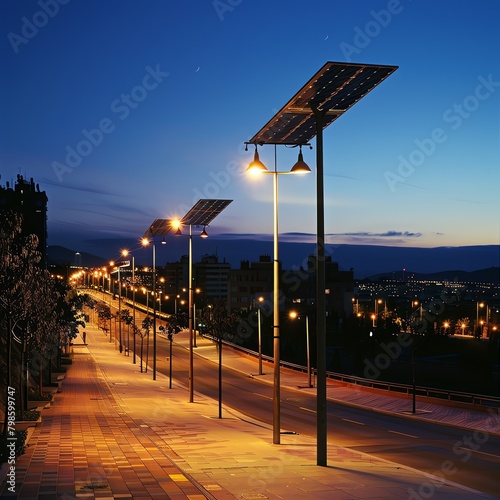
220	323
147	324
103	316
38	314
18	265
127	318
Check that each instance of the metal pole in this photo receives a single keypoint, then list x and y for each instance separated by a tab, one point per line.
321	453
220	375
133	303
119	309
190	316
260	341
194	325
309	384
414	384
170	337
154	311
276	315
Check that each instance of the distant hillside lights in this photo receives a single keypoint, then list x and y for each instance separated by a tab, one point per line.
122	106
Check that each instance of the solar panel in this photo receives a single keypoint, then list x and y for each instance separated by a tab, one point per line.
204	211
159	227
332	90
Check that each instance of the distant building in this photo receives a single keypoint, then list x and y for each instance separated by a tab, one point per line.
211	277
300	287
251	281
26	199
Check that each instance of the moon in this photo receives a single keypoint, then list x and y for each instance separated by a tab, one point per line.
197	69
326	37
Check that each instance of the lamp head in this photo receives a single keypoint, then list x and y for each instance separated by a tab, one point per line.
256	167
204	233
176	224
300	167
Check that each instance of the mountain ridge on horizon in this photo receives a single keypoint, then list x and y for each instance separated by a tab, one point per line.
365	260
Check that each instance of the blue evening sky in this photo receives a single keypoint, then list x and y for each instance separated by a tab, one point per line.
128	111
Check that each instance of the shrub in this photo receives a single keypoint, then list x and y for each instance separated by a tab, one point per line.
28	415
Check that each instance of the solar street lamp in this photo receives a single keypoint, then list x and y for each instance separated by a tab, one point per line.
201	214
331	91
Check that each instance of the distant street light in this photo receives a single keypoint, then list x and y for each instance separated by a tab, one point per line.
294	315
145	243
201	214
125	253
478	327
259	326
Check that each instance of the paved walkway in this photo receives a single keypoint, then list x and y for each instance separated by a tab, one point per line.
114	433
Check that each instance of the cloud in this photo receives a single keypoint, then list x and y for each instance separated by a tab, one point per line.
341	177
85	189
387	234
365	236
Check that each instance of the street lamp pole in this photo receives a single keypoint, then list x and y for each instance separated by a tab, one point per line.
276	316
478	329
260	299
321	411
133	304
256	166
294	315
154	310
119	309
190	316
309	381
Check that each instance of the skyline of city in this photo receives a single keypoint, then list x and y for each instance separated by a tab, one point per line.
109	107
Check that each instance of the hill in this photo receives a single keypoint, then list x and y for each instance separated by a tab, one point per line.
489	275
61	256
365	260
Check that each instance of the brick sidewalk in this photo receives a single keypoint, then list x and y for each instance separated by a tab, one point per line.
87	448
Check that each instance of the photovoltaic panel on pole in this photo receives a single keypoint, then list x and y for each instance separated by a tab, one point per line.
334	89
204	212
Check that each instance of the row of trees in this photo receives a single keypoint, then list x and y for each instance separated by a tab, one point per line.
214	321
39	316
104	322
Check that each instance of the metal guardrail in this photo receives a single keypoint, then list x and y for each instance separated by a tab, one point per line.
481	400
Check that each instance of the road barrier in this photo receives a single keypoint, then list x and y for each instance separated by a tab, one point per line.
479	401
